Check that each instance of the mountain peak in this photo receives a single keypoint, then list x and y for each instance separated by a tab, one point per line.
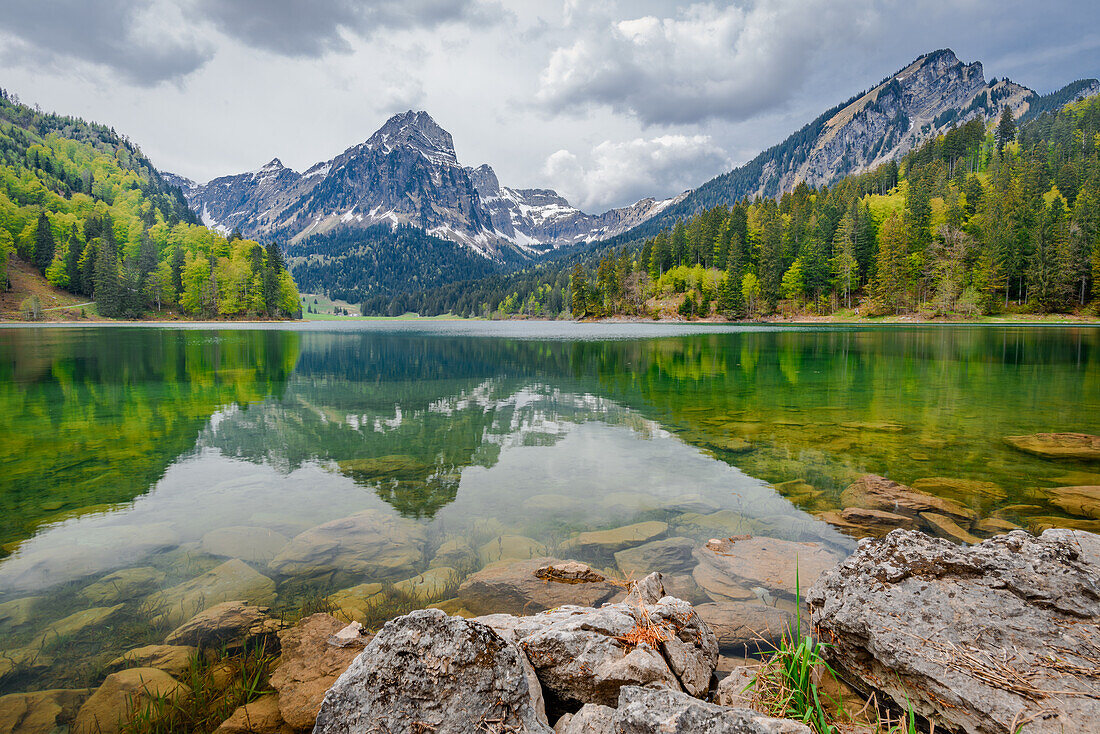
418	131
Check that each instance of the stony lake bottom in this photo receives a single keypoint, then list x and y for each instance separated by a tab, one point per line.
147	472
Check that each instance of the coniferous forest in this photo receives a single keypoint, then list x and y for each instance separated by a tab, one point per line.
88	210
986	219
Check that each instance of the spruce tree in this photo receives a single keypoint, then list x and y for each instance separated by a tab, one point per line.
578	287
1006	129
44	246
72	261
108	290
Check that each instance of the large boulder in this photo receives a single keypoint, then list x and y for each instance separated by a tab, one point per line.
371	544
978	638
873	492
429	672
729	565
308	667
41	712
663	711
232	580
228	622
585	655
511	587
122	694
1075	446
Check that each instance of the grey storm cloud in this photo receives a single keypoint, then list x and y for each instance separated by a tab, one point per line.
296	28
127	36
151	41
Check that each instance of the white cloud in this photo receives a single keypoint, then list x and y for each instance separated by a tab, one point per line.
616	173
707	62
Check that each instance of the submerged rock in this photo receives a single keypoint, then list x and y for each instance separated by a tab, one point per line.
671	555
77	623
748	562
738	625
429	672
511	587
255	544
1075	446
617	539
262	716
228	622
18	612
864	522
510	548
879	493
961	488
357	602
232	580
309	666
175	660
371	544
41	712
431	584
115	701
123	585
662	711
979	638
945	527
1083	501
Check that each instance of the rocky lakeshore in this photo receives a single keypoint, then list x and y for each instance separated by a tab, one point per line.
1001	636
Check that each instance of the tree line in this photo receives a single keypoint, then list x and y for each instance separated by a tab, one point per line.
89	211
982	219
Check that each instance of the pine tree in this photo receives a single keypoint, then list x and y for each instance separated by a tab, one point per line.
1006	129
43	243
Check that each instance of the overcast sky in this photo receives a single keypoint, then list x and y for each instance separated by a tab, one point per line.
605	101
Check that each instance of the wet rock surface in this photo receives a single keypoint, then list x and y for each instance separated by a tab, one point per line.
232	580
978	638
172	659
740	625
114	702
228	622
426	671
41	712
1074	446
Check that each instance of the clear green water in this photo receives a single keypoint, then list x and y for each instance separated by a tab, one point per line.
127	447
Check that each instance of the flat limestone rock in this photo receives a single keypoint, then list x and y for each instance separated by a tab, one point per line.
879	493
309	666
864	522
449	674
175	660
113	703
1083	501
616	539
740	625
749	562
230	581
262	716
77	623
669	556
960	488
1039	523
356	602
123	585
945	527
230	621
511	587
921	619
41	712
723	522
662	711
371	544
18	612
510	548
429	585
454	553
258	545
1073	446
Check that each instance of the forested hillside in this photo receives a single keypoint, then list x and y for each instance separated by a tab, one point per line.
91	213
980	220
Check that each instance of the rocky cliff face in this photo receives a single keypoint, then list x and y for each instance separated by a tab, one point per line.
918	102
405	173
